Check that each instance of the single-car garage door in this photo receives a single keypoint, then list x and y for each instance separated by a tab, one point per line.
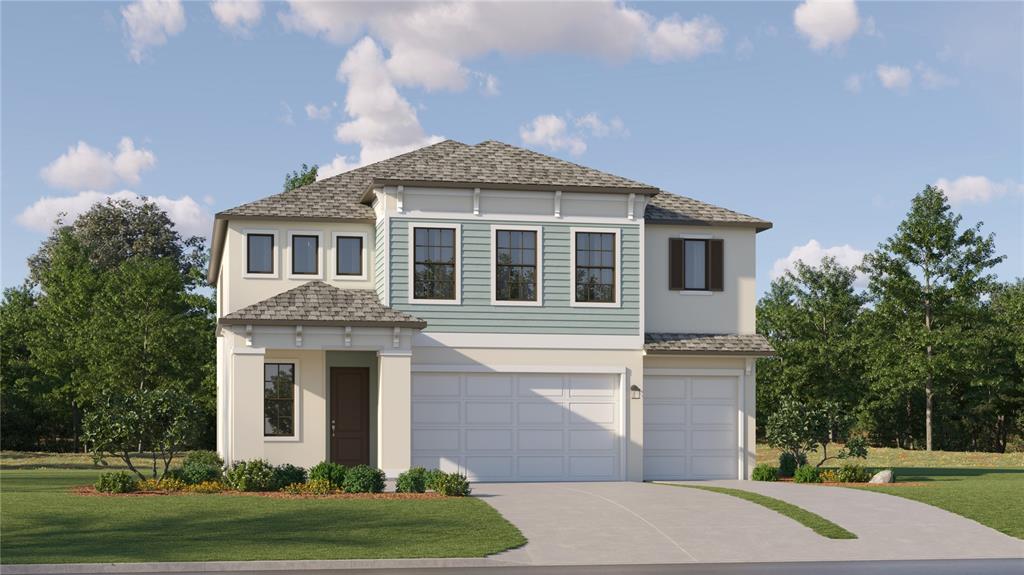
518	426
690	427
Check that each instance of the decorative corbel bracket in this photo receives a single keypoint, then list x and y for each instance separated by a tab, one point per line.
401	199
248	335
396	338
632	207
476	201
348	336
298	336
558	203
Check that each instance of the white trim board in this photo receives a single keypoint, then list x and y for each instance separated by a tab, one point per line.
616	260
411	257
529	341
538	254
275	255
319	255
333	257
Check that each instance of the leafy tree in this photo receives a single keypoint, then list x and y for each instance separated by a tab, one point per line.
299	178
926	285
810	316
800	428
993	403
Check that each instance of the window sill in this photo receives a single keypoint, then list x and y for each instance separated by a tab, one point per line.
696	292
258	276
349	278
594	304
278	439
306	277
435	302
514	303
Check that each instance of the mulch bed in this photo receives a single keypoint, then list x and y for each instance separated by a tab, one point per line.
91	491
840	484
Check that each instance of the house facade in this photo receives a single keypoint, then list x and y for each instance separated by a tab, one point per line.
492	310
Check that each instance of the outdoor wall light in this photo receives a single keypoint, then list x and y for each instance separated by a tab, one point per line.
635	391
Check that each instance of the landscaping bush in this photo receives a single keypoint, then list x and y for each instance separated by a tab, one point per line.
807	474
254	475
452	485
205	487
116	482
853	473
363	479
765	472
287	474
313	487
432	478
412	481
788	462
333	473
829	475
200	466
165	484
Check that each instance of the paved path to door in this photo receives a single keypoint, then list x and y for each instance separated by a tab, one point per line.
609	523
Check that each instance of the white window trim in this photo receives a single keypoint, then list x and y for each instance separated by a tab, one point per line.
617	261
296	403
274	255
319	255
333	258
411	257
692	236
540	265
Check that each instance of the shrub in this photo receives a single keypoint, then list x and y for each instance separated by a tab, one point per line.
200	466
829	476
788	462
412	481
807	474
333	473
853	473
116	482
453	485
363	479
205	487
765	472
165	484
313	487
254	475
287	474
432	478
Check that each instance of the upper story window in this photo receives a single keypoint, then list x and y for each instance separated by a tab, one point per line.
435	263
305	254
279	399
595	274
515	265
696	264
348	255
259	255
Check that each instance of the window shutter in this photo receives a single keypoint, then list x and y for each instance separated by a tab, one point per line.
716	265
675	263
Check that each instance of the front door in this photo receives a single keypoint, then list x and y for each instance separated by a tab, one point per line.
350	415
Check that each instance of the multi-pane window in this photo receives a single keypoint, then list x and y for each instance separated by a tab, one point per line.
434	263
595	267
305	254
695	264
349	251
279	399
259	257
515	265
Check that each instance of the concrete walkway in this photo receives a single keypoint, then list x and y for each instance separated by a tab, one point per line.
643	523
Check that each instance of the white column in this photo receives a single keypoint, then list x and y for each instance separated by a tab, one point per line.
245	404
394	412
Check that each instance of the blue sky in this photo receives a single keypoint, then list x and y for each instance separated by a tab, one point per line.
825	119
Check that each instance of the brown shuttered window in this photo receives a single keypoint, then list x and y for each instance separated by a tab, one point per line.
716	265
675	263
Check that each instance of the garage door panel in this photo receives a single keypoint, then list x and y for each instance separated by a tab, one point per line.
712	414
713	466
447	464
664	467
435	386
661	439
661	412
713	439
519	427
436	412
493	413
663	388
714	388
489	440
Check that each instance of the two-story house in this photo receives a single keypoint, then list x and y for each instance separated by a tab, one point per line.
488	309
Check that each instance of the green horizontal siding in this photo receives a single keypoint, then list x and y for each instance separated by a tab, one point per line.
556	316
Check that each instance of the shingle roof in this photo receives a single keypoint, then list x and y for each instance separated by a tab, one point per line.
708	344
493	163
316	302
667	208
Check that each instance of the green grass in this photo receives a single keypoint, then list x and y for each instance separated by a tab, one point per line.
45	460
992	497
43	522
813	521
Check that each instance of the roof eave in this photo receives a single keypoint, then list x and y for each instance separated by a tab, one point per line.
324	323
759	226
760	353
377	182
220	232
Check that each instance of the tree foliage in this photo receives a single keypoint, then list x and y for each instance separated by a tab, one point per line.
299	178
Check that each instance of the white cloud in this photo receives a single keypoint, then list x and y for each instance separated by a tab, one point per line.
894	77
150	23
314	112
550	131
675	39
976	189
190	219
812	253
84	166
237	16
932	79
869	28
599	128
853	83
827	23
744	49
488	83
338	165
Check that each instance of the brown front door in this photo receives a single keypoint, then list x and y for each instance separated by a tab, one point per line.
350	415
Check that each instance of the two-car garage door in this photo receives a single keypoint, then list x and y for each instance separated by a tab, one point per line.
690	427
518	426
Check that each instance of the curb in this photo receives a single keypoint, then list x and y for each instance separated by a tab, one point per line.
244	566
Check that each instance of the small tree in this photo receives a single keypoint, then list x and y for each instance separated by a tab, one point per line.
799	428
297	179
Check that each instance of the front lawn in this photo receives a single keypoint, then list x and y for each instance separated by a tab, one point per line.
43	522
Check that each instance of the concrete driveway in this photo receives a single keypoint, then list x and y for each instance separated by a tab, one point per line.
631	523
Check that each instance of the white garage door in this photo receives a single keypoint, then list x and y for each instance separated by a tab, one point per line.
690	427
518	427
